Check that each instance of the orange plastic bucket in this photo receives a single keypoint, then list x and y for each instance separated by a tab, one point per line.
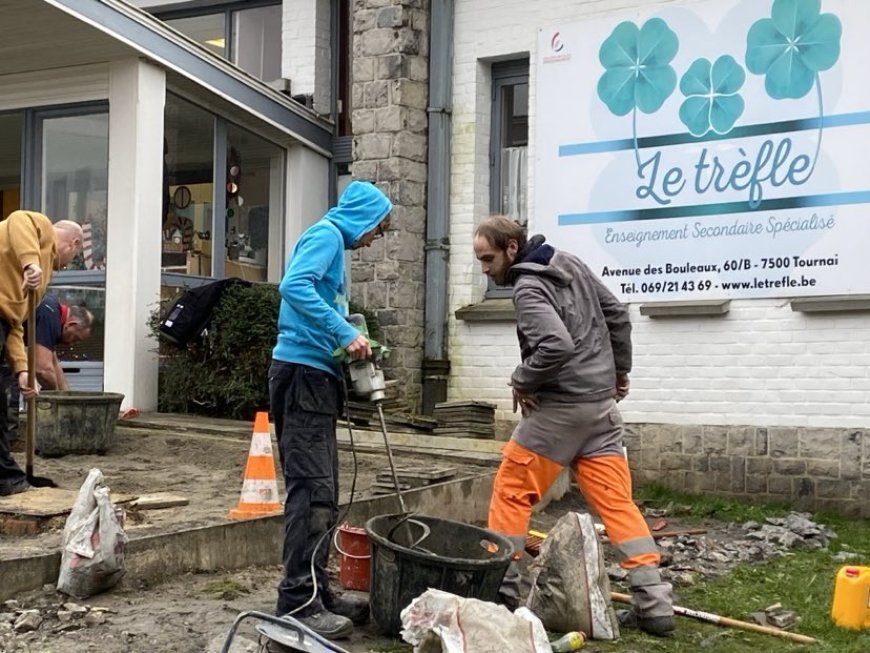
354	547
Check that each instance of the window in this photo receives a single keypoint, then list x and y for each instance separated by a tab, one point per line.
188	190
247	32
509	139
239	239
508	144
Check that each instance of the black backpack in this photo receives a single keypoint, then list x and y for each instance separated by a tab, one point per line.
189	317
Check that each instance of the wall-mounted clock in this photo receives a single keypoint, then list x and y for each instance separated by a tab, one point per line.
181	197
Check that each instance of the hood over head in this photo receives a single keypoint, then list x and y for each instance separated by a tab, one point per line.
360	208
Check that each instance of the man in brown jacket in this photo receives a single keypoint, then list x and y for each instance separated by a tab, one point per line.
31	248
575	343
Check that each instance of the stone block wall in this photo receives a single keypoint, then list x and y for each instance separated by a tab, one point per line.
808	468
389	97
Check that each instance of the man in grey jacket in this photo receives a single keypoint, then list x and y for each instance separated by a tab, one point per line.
575	344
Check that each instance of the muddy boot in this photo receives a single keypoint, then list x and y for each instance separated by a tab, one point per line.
653	606
327	624
510	594
355	608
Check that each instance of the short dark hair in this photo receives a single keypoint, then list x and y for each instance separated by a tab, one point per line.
499	230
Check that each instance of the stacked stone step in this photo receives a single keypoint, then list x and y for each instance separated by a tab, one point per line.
410	478
465	419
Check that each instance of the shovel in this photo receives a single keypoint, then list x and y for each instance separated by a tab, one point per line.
30	441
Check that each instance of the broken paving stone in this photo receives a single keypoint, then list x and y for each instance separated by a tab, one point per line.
64	615
7	617
782	618
845	556
11	604
27	621
75	609
68	627
95	618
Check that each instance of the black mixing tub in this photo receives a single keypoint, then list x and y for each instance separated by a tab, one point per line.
413	554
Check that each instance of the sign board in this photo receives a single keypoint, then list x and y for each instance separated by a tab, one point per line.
714	149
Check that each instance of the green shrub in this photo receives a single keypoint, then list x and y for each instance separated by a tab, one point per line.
226	375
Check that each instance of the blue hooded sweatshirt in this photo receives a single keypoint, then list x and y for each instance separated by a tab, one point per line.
314	304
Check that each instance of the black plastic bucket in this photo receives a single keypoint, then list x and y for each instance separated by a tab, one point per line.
465	560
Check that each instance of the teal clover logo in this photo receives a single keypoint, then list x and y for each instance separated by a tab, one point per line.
712	102
792	46
637	70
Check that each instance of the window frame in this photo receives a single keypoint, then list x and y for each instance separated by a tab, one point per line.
198	8
504	73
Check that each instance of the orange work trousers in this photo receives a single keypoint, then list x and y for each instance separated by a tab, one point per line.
605	482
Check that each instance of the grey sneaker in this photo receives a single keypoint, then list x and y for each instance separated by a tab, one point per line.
328	624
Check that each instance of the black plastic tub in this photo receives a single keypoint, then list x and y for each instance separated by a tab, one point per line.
461	559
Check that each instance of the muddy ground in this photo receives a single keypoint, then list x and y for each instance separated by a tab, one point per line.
205	468
191	613
183	615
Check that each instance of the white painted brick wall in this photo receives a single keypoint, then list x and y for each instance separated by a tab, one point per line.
762	364
306	54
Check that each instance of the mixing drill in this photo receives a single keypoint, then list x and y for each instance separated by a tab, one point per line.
367	380
366	376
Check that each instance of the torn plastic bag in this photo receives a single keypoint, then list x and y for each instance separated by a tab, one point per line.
570	587
92	560
440	622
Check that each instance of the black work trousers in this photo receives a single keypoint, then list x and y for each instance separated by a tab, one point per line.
305	404
10	473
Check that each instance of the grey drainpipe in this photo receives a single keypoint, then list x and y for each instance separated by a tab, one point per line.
332	188
436	365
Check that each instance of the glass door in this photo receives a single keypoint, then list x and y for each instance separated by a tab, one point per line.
69	150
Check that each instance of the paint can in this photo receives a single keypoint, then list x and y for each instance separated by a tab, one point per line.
851	605
354	547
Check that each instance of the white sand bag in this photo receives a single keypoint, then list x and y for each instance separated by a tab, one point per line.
93	542
440	622
570	587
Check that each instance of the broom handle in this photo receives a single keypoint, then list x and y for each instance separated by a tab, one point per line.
726	621
30	441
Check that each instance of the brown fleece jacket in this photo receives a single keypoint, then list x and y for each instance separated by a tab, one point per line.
25	237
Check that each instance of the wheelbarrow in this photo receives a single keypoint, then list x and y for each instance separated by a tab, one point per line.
286	631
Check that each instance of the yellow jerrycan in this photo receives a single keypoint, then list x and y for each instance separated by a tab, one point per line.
851	606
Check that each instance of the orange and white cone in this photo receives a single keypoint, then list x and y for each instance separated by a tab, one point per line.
260	488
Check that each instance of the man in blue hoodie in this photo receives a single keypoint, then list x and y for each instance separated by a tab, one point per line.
306	397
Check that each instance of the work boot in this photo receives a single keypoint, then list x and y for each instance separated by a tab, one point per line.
327	624
7	489
653	608
511	591
355	608
658	626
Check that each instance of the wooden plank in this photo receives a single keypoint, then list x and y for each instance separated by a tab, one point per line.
158	500
47	502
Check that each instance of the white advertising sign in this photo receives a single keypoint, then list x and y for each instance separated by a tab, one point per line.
715	149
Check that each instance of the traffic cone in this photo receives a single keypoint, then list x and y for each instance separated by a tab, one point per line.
260	488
